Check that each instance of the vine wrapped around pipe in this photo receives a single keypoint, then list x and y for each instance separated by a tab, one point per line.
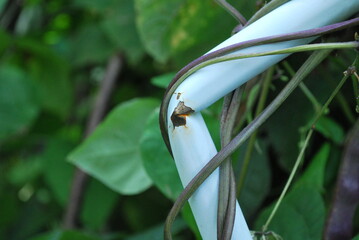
196	87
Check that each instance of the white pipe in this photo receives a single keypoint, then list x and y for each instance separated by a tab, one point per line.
296	15
191	144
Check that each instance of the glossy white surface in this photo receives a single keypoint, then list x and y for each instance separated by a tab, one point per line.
207	85
192	145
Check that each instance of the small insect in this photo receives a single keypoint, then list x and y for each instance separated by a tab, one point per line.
270	235
178	95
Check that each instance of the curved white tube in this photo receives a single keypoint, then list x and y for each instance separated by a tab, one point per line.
296	15
191	144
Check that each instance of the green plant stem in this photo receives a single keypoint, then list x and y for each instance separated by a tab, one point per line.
310	96
266	9
289	181
304	88
232	11
345	107
250	92
356	92
227	189
316	58
261	103
300	156
178	79
355	80
340	97
80	178
296	49
226	217
334	93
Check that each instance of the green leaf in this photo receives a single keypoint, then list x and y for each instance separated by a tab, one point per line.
356	237
111	154
157	161
333	165
19	105
24	171
32	219
97	6
58	173
65	235
163	80
188	28
5	39
93	214
156	232
155	20
2	4
9	208
282	128
118	23
143	210
330	129
253	96
258	181
50	74
90	45
300	215
315	172
121	29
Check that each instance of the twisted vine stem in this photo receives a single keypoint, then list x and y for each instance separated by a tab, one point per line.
323	49
183	73
316	58
227	185
306	142
266	9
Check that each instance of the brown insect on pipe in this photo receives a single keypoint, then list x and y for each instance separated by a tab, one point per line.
179	114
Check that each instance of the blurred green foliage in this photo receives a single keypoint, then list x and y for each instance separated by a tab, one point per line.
54	55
